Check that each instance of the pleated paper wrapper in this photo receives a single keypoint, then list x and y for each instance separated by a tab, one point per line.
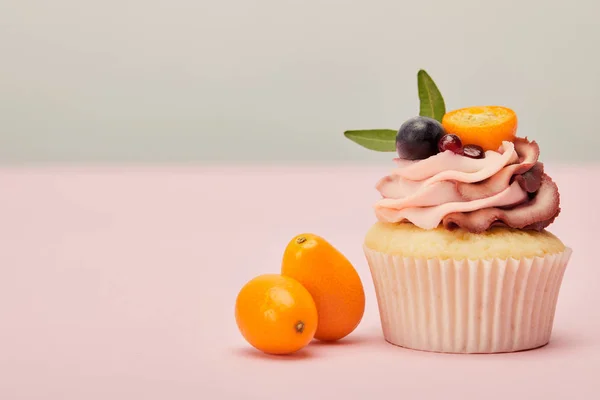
467	306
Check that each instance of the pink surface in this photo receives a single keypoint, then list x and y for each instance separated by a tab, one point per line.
120	284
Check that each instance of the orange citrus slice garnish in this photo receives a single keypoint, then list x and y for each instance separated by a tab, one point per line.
485	126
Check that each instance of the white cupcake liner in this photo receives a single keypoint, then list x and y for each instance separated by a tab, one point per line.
467	306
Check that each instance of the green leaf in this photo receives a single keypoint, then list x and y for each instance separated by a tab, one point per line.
432	102
374	139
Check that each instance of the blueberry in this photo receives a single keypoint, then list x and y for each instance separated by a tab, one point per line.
418	138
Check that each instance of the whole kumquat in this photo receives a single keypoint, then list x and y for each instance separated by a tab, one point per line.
276	314
331	280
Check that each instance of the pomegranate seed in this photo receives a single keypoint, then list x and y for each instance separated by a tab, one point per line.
450	142
473	151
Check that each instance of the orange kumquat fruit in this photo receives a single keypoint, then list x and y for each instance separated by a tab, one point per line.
331	280
485	126
276	314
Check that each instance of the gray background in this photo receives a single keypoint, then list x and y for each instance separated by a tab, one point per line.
279	81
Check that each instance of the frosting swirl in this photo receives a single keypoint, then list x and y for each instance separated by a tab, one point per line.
507	188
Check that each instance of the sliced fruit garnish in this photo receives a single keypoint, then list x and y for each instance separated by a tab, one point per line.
485	126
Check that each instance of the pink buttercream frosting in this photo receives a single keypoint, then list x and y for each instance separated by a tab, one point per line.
439	188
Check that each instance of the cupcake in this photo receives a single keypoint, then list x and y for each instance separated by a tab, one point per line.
460	256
